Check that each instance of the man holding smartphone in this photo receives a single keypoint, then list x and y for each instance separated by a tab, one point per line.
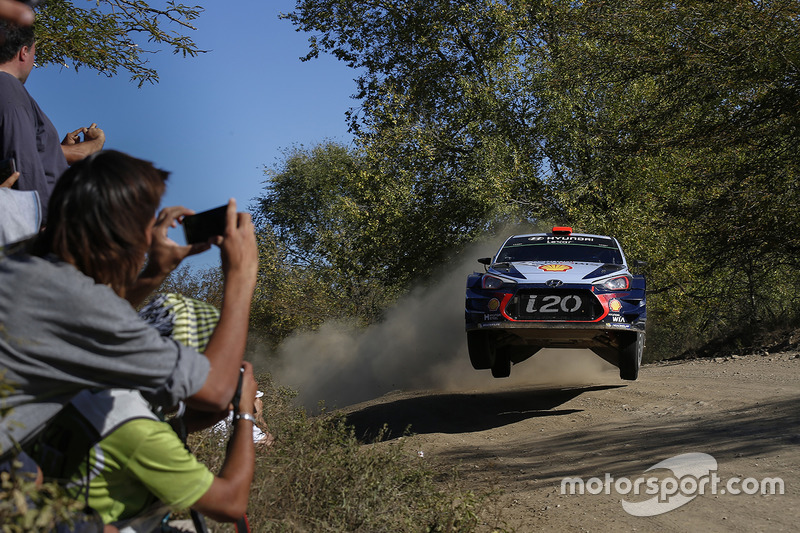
26	134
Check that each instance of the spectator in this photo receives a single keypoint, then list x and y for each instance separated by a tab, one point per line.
26	134
141	469
20	212
66	324
138	469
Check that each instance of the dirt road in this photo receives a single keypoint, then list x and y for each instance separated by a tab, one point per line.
525	436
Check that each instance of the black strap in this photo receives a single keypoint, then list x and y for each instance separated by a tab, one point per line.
242	525
237	396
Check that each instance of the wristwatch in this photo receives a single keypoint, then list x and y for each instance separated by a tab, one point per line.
245	416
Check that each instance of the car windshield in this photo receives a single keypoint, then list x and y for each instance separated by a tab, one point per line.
560	248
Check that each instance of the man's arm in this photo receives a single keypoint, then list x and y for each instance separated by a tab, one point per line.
16	12
226	500
74	149
226	346
225	349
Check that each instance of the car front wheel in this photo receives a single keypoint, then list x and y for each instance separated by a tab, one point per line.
501	368
481	349
630	357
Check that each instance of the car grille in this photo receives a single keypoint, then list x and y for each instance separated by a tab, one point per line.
551	304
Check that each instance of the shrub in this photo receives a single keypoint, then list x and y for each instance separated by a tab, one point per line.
317	476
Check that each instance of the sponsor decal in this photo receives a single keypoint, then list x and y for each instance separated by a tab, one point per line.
560	238
555	268
493	304
615	305
553	304
617	318
490	317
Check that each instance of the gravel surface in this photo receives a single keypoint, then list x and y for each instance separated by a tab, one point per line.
526	434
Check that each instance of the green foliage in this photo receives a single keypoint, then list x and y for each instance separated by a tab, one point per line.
108	35
447	128
680	122
669	125
205	284
318	477
26	508
335	221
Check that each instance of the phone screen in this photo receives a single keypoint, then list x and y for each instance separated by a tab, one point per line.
202	226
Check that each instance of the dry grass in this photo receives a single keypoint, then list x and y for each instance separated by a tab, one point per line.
318	477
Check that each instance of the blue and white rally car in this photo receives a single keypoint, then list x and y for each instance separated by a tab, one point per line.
556	290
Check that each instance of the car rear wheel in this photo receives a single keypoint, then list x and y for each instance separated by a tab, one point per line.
630	357
481	349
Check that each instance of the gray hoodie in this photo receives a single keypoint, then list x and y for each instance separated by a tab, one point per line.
60	333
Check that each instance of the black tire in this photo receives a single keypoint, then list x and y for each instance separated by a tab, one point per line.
481	349
630	358
502	366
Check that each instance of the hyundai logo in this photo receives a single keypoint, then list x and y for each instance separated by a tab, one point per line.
554	283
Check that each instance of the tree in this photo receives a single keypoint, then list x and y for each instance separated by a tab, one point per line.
446	122
670	125
113	34
333	219
683	117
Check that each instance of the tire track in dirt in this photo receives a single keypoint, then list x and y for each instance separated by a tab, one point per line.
743	411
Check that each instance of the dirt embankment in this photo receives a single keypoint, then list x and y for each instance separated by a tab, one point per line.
525	435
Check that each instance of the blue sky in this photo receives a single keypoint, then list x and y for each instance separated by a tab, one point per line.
216	120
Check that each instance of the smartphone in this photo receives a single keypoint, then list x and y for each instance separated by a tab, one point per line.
202	226
7	167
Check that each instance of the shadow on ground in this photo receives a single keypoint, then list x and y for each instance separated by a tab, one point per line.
461	412
764	428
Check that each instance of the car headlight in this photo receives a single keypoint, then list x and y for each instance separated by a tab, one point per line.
620	283
492	282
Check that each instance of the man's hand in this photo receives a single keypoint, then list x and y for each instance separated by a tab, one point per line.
238	249
76	149
12	179
164	256
73	137
16	12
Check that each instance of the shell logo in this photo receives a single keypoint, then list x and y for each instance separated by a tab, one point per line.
494	303
615	305
555	268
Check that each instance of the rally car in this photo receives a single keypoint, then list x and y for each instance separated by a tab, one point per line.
556	290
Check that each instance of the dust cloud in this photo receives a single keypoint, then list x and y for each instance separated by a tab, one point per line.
421	344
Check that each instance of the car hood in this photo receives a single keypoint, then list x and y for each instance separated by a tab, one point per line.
565	271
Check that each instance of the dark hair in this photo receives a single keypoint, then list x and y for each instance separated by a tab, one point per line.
12	39
98	215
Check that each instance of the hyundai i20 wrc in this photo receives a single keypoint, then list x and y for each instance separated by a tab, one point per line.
555	290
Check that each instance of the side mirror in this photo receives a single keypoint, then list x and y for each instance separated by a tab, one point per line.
485	261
